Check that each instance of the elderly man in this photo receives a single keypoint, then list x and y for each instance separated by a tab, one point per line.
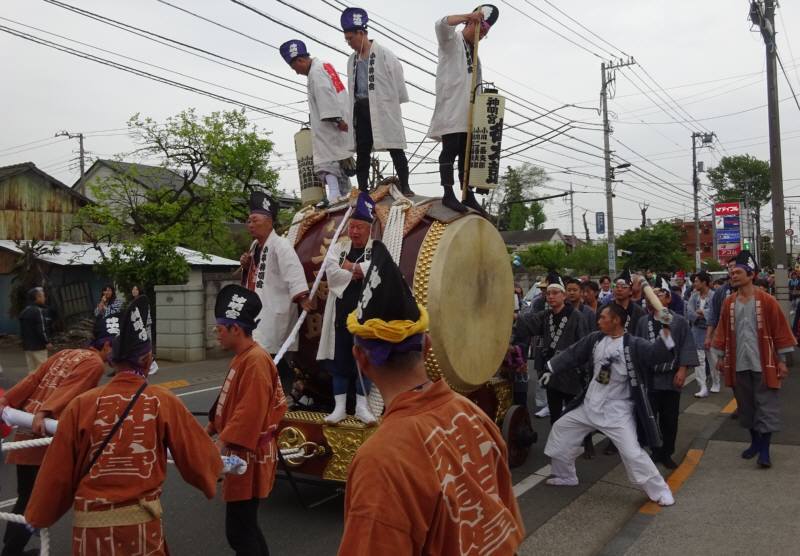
329	113
46	393
34	328
453	94
345	266
623	291
753	339
273	271
434	477
377	89
109	458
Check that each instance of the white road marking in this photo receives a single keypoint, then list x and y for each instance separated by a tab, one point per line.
198	391
8	503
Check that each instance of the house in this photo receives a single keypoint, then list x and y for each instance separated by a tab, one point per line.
35	205
522	239
573	242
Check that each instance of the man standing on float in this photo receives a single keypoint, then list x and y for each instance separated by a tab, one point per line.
453	83
377	89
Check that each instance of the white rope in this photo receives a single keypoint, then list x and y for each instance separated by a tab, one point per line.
23	444
290	339
294	229
44	535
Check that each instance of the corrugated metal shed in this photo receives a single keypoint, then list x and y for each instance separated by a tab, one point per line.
34	204
77	254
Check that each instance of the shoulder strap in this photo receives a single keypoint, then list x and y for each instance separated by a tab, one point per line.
115	428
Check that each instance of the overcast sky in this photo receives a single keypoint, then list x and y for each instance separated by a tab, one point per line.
703	53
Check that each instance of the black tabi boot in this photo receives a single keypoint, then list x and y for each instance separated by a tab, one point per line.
473	203
406	190
755	442
763	451
450	201
588	447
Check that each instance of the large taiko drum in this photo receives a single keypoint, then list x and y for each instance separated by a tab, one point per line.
458	268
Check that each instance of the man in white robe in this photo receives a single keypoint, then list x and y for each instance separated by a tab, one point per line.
345	266
272	269
615	399
377	89
328	104
453	83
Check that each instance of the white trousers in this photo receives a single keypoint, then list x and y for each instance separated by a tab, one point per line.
565	444
700	371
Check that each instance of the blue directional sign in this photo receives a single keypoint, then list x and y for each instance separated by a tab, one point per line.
600	222
728	236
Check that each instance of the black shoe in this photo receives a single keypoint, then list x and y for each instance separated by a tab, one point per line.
588	448
406	191
323	204
364	189
755	443
472	202
450	201
668	462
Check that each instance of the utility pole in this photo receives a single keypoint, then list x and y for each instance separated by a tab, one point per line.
79	137
586	229
643	209
706	139
606	77
572	211
791	237
764	17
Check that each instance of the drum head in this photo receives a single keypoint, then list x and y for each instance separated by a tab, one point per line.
470	302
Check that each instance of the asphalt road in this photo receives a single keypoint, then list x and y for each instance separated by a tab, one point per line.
195	525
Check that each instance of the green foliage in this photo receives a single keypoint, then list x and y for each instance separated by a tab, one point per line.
549	256
220	159
28	272
712	265
589	259
522	182
739	178
766	253
657	247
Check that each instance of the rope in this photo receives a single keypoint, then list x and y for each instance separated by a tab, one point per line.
290	339
23	444
297	219
44	535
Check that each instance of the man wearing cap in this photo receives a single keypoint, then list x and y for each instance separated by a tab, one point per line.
434	477
109	458
45	394
244	417
272	269
622	297
614	403
664	381
328	104
345	266
453	95
752	340
377	89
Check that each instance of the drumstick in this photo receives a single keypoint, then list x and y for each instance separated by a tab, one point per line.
662	313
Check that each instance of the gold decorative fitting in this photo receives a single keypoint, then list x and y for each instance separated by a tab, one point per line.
421	278
291	437
344	440
503	392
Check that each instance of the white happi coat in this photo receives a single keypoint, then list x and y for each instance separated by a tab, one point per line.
338	279
386	95
284	280
327	98
453	82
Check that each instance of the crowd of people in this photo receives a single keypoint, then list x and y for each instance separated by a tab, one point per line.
609	358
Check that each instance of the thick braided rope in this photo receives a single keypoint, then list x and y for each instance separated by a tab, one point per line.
290	339
294	229
23	444
44	535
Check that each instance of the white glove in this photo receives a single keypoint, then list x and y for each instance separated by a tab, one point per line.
545	378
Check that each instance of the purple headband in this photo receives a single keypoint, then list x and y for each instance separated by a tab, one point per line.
133	358
233	322
379	351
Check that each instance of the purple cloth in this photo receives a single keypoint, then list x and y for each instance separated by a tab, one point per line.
379	351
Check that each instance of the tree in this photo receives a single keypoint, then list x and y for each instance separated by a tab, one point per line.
766	257
29	272
517	184
221	158
549	256
589	259
657	247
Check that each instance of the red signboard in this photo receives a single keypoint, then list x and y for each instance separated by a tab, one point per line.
726	209
728	250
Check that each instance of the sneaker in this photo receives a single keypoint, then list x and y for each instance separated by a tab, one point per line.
542	413
715	388
668	462
153	368
666	498
561	481
702	393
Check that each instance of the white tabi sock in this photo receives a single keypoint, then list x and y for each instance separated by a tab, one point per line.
332	187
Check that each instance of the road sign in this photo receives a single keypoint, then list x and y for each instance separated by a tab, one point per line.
600	222
728	236
790	232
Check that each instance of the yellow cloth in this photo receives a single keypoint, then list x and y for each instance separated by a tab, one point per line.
133	514
394	331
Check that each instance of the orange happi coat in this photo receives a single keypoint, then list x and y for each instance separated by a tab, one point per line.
132	467
774	336
432	480
50	388
248	410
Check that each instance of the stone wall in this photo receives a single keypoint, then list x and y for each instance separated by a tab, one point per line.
181	322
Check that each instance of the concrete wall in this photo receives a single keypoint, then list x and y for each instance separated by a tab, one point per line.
181	322
212	283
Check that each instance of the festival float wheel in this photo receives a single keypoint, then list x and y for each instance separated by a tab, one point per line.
519	434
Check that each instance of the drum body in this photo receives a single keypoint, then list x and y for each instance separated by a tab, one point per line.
459	269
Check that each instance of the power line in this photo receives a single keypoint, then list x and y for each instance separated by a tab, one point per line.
788	81
579	24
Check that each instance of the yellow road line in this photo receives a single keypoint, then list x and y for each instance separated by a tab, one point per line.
730	408
676	479
173	384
